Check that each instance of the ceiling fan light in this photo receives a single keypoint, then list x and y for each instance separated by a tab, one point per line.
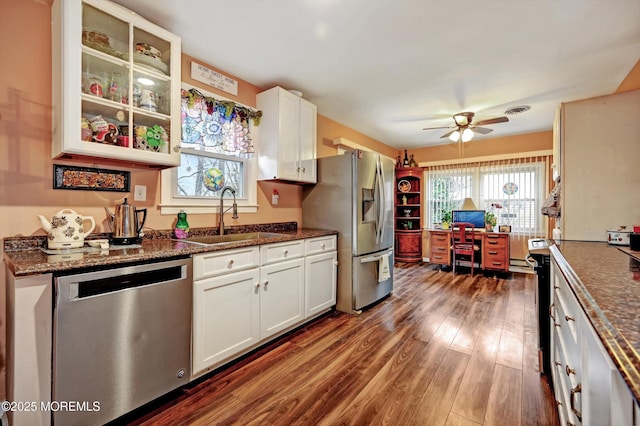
454	136
467	135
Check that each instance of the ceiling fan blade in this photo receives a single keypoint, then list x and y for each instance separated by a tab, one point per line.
435	128
492	121
481	130
446	135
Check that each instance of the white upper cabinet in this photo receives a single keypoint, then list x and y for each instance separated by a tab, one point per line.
116	85
288	133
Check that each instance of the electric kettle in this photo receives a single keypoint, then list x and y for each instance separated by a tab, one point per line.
66	229
125	223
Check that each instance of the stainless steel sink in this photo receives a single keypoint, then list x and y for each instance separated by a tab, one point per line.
217	239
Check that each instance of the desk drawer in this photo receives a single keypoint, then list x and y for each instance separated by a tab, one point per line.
440	246
496	240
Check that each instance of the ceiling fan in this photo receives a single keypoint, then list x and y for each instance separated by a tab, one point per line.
465	128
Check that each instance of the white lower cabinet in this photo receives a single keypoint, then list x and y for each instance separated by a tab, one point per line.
226	313
243	297
281	296
588	387
320	282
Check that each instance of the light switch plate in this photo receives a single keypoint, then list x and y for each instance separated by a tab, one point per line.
140	193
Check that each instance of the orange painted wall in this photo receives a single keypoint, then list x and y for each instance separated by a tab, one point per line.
496	146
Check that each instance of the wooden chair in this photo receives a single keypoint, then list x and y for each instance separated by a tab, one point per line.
463	243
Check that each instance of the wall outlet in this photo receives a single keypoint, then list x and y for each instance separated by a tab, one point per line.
140	193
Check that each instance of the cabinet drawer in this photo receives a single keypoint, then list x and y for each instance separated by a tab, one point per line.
222	262
320	245
281	251
496	262
496	241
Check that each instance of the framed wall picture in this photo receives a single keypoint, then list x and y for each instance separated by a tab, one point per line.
90	179
504	228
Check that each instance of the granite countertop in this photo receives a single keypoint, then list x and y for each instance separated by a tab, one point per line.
606	281
25	255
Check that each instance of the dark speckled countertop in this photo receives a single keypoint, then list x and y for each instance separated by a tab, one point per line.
606	281
23	255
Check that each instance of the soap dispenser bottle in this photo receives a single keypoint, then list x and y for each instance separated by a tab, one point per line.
182	226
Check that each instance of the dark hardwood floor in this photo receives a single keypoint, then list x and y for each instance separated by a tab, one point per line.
441	350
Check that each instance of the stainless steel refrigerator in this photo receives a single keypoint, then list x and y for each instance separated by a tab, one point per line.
354	195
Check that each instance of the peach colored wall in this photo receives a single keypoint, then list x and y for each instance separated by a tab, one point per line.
632	80
478	148
328	130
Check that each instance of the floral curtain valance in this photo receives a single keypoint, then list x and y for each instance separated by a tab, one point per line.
215	125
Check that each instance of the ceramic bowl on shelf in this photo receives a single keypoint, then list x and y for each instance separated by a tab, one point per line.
148	50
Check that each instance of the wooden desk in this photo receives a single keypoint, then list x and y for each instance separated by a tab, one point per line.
494	249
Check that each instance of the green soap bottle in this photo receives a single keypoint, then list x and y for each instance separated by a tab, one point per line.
182	226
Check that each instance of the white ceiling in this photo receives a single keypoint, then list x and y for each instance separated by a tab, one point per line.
388	68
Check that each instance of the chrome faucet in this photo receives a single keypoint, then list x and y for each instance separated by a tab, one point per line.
222	211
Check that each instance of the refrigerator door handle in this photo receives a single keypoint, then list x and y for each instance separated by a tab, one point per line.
383	201
379	202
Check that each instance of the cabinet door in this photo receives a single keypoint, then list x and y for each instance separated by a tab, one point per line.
307	143
111	97
320	282
281	296
408	246
288	152
226	314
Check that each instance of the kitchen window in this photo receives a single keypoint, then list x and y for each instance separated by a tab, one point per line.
216	151
513	190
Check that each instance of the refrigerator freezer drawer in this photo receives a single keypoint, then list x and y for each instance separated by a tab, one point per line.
367	287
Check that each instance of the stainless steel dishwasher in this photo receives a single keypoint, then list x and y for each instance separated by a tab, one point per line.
122	337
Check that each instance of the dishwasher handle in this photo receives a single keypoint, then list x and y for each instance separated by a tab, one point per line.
109	281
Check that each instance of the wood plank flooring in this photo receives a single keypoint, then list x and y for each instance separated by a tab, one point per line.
441	350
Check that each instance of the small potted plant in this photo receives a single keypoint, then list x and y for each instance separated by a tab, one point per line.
490	221
446	219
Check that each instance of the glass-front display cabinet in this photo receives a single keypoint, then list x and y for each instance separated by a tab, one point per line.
116	85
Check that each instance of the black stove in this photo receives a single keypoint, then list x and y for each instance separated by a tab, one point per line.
540	259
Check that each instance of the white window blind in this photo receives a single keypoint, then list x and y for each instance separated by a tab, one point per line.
513	190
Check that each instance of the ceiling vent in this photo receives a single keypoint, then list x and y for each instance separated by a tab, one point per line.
517	110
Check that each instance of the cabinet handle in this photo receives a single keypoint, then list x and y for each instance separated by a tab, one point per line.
266	283
493	252
323	246
298	170
569	370
558	403
572	400
555	287
304	170
335	263
492	242
230	263
257	285
557	364
553	316
496	263
569	423
568	318
286	253
437	257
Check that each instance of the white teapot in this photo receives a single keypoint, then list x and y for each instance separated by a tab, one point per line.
66	229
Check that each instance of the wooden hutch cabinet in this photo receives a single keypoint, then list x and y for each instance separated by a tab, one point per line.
408	220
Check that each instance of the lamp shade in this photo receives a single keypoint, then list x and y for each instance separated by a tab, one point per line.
468	204
454	136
